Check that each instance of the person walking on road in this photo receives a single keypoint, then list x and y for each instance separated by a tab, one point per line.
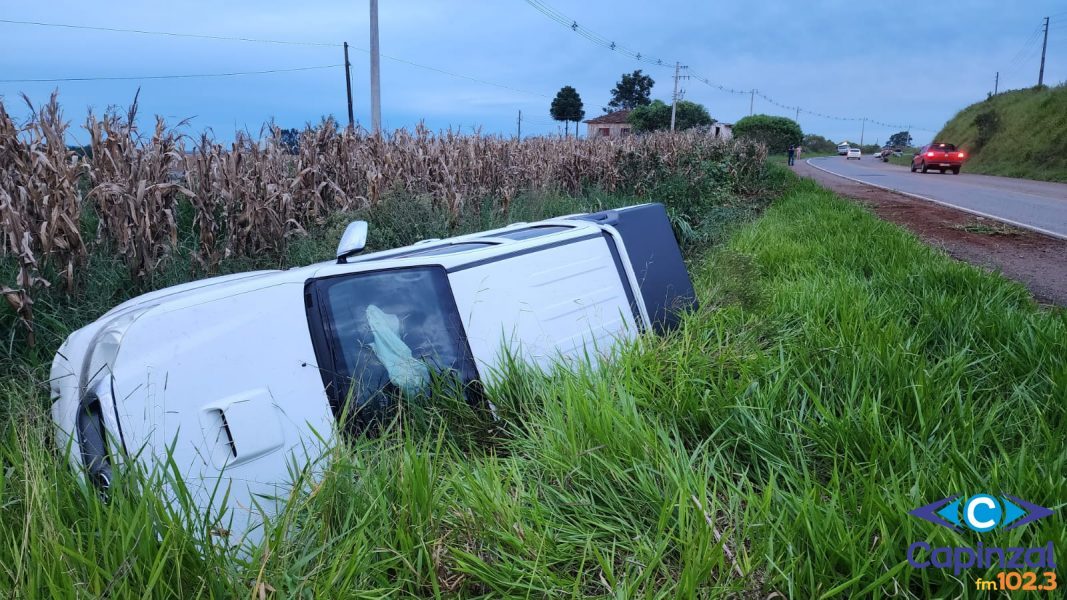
792	154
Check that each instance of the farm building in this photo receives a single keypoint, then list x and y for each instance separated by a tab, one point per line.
615	125
611	125
721	130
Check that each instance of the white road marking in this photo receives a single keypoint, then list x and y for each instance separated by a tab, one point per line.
943	203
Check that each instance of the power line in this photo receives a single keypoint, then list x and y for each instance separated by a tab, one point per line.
184	76
596	38
169	33
1026	50
604	42
236	39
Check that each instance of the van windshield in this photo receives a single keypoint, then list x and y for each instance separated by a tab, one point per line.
387	334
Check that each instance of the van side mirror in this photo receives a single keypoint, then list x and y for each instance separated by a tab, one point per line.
353	240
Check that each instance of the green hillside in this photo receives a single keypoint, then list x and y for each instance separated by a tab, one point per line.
1021	133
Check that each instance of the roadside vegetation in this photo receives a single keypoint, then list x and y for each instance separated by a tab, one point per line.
777	133
838	374
1019	133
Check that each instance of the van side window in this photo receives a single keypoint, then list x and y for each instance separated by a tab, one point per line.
387	333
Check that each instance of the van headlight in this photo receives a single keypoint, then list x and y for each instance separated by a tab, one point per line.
104	347
95	397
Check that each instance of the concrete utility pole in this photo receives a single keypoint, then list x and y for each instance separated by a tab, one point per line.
674	98
751	101
863	128
1044	46
996	84
519	135
375	83
797	118
348	88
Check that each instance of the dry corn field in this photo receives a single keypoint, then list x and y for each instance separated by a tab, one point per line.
251	196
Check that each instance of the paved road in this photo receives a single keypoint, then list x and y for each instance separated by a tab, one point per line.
1037	205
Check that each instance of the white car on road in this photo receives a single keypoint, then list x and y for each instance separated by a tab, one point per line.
234	378
853	153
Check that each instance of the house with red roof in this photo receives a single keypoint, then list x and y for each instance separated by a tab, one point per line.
611	125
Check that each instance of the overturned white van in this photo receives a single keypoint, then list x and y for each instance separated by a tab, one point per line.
235	377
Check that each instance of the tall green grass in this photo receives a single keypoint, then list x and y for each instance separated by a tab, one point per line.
838	374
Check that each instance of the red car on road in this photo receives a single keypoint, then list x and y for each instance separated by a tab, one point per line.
940	156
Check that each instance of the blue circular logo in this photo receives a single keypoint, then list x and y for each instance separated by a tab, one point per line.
982	512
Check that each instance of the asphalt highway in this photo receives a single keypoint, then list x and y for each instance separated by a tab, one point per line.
1036	205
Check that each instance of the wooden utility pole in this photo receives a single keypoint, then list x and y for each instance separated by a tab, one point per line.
348	88
375	82
1044	46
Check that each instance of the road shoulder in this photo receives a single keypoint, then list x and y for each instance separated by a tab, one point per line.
1037	261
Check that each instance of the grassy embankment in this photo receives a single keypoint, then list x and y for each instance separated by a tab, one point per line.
1024	134
838	375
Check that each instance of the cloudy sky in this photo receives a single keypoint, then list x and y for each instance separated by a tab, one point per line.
888	61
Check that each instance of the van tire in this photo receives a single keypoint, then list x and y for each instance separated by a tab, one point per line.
922	167
955	170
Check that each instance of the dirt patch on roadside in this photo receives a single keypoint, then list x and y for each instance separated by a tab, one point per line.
1037	261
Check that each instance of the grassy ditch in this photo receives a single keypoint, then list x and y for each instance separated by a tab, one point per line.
838	375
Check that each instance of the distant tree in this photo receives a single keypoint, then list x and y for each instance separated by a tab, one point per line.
290	140
657	116
817	144
567	106
633	90
777	133
900	139
691	114
651	117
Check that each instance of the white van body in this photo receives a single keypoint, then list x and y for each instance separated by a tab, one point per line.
238	378
842	149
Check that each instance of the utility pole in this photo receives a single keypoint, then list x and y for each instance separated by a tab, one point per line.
348	88
863	128
751	101
1044	46
797	119
996	84
674	98
519	136
375	83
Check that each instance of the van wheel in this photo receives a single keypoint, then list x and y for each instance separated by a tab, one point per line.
955	170
922	167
